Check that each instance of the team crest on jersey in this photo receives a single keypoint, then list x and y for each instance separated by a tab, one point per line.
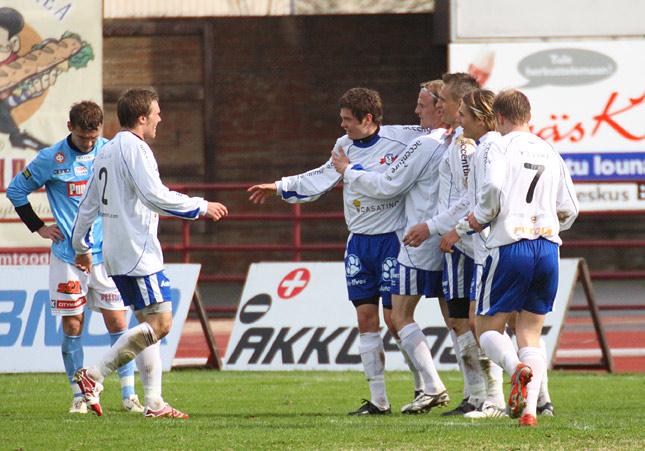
81	170
27	173
533	219
60	157
388	159
83	158
76	189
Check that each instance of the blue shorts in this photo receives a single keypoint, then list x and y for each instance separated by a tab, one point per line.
141	292
520	276
370	263
458	271
411	281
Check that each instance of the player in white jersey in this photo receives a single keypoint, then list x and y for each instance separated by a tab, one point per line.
64	169
373	243
458	266
478	122
527	197
418	270
125	189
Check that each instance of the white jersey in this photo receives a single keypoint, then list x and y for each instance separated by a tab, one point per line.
526	193
125	189
416	174
364	213
453	189
475	178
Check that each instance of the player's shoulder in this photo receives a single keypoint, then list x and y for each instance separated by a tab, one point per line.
58	153
402	132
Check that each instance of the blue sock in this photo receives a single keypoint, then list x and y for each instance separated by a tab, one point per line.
72	350
126	372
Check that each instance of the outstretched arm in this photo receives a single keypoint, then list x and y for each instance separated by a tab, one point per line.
260	193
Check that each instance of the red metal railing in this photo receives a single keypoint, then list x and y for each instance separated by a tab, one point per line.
296	247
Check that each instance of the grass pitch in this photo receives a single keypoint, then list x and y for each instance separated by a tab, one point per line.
308	410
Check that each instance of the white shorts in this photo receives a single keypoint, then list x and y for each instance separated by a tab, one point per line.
72	290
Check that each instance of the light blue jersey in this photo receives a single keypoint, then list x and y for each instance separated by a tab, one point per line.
64	172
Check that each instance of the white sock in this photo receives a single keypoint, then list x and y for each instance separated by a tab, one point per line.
126	348
544	396
372	353
413	340
416	374
499	348
455	346
472	370
494	375
150	371
534	358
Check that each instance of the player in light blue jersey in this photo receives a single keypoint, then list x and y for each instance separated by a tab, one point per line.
64	170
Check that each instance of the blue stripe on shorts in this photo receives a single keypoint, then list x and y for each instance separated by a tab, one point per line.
412	281
143	291
458	271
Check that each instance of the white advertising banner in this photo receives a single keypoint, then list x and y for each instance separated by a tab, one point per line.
51	56
587	100
30	336
296	316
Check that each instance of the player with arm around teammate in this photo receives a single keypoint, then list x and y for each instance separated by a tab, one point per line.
479	124
528	197
64	170
418	269
127	192
458	266
374	224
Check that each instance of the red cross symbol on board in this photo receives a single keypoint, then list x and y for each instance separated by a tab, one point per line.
294	283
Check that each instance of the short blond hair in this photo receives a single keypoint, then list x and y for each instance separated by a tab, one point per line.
513	105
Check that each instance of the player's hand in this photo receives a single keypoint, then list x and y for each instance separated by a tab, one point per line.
448	240
51	232
417	235
84	262
261	193
472	222
340	160
216	211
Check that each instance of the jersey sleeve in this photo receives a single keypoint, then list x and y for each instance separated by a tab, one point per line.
88	210
399	178
566	201
141	168
494	176
33	177
308	186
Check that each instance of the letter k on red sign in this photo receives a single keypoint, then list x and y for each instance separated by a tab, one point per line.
294	283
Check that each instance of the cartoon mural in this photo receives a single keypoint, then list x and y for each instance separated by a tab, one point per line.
50	58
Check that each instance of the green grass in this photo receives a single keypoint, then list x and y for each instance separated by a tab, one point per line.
307	410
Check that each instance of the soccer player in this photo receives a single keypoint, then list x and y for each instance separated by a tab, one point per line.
373	243
418	270
64	170
125	189
527	197
458	266
479	124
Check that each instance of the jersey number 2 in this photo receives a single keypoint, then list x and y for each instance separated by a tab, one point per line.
534	167
103	174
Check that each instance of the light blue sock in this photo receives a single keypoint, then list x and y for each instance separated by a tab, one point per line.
72	350
126	372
